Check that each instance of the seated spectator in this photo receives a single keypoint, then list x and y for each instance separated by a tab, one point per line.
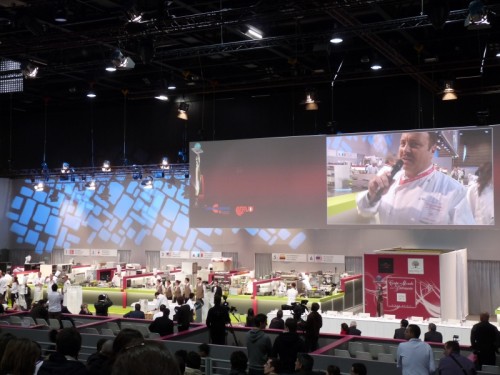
99	363
182	316
84	309
278	322
126	338
146	358
65	360
344	329
399	333
358	369
193	364
353	329
432	335
272	366
136	314
39	310
239	362
180	356
250	318
304	364
163	325
452	359
332	370
159	313
20	357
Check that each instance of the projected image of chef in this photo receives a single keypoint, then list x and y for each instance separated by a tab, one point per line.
414	192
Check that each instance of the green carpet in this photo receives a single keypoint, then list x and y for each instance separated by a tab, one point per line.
341	203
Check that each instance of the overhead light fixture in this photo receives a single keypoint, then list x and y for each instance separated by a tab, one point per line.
39	186
336	39
162	96
497	54
171	85
182	111
147	182
61	15
164	163
478	16
376	66
29	70
106	166
310	102
254	33
134	16
91	94
449	91
122	62
110	68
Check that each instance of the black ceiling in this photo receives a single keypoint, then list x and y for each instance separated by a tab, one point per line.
202	46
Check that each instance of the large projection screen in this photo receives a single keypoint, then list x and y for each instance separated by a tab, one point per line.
444	180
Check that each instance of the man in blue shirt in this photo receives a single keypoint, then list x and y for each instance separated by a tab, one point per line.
415	357
453	363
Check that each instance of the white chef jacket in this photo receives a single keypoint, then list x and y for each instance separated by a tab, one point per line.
482	206
431	198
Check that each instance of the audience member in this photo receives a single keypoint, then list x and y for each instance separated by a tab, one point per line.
304	364
180	356
84	309
399	333
193	364
332	370
258	346
313	324
204	351
358	368
136	313
278	322
453	363
39	310
163	325
484	338
150	357
272	366
20	357
238	361
55	299
217	318
432	335
102	305
250	320
287	345
65	360
353	329
126	338
415	356
182	315
99	363
4	341
344	329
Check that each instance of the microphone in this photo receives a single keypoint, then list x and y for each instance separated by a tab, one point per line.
395	169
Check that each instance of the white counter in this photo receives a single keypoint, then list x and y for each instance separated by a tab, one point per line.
384	328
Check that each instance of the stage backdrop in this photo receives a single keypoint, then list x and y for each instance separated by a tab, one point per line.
410	283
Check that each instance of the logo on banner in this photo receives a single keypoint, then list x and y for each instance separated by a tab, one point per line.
415	266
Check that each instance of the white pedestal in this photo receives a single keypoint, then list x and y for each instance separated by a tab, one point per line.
75	297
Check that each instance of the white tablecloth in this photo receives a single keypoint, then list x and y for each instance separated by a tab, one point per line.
384	328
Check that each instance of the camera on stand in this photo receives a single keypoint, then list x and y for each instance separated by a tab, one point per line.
297	309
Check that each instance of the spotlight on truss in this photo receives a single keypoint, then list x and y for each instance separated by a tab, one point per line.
122	62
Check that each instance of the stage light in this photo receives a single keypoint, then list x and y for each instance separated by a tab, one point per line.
61	15
122	62
29	70
110	68
147	182
161	96
91	94
254	33
375	66
336	40
106	166
478	16
171	85
182	111
65	168
310	102
164	163
134	16
90	185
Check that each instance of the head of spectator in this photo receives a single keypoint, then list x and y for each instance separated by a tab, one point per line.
344	328
432	327
127	337
250	312
106	348
484	317
451	347
20	357
180	356
260	321
332	370
100	343
294	285
4	340
412	332
353	324
272	366
291	325
54	287
315	306
193	360
279	314
69	342
358	369
239	361
146	358
217	300
204	350
304	363
404	323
